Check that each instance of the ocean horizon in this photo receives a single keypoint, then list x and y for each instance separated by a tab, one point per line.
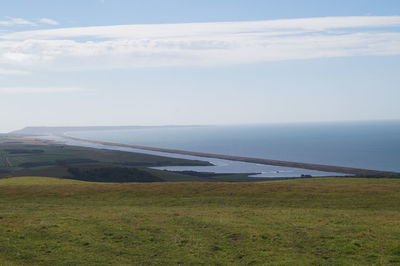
371	145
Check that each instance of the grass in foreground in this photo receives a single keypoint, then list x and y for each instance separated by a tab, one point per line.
45	221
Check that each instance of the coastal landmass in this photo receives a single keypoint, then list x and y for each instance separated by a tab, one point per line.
62	132
31	156
318	167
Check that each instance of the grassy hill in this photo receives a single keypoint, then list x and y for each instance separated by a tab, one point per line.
49	221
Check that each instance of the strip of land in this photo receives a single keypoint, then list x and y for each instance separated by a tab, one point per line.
29	156
309	166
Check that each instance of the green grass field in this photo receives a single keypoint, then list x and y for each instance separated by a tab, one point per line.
334	221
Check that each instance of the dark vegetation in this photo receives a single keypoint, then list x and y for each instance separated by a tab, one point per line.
113	174
22	151
161	163
35	164
199	174
206	174
75	161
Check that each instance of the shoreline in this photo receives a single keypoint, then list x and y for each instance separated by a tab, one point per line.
308	166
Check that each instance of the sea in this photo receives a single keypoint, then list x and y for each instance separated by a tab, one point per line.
370	145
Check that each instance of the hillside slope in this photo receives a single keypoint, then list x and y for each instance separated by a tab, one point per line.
296	222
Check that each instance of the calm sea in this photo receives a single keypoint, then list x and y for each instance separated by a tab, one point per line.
371	145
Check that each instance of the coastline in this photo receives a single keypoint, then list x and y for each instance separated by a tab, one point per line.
308	166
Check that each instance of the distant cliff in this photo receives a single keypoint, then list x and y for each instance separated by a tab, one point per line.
32	131
61	130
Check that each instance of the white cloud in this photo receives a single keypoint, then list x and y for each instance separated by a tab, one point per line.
25	90
16	21
10	21
201	44
48	21
189	30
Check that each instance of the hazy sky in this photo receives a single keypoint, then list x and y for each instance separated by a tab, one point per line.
157	62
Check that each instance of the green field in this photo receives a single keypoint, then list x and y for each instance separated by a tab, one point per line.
47	221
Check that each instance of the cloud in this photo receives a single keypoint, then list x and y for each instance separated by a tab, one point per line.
10	21
48	21
25	90
16	21
200	44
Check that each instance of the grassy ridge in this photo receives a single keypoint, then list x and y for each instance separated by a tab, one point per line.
296	222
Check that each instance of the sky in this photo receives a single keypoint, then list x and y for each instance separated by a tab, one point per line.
186	62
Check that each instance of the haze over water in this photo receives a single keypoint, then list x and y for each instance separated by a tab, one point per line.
370	145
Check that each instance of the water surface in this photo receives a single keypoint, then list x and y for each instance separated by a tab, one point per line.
369	145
